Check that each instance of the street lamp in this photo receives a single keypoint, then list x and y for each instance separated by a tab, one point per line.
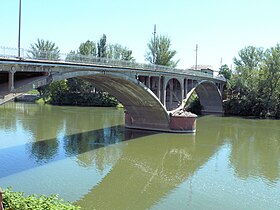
19	28
155	31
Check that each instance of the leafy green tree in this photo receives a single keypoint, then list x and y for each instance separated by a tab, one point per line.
52	93
225	71
255	86
87	48
72	56
270	74
44	50
245	97
127	55
102	47
159	52
118	52
248	67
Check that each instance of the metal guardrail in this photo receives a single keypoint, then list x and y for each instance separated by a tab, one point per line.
7	52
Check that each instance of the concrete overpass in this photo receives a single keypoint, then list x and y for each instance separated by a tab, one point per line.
149	93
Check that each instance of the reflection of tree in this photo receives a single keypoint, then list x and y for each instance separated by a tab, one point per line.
44	123
86	146
8	117
43	151
256	149
41	122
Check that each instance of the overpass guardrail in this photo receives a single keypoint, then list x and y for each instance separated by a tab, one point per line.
7	52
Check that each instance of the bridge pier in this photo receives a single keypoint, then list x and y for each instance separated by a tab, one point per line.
11	85
176	124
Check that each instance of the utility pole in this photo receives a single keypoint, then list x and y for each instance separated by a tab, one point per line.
19	28
196	49
155	31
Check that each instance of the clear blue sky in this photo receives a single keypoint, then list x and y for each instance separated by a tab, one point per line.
220	27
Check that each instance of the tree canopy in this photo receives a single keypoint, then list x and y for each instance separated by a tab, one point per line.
44	50
118	52
254	88
102	47
225	71
87	48
160	53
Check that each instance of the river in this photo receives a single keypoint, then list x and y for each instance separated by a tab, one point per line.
86	156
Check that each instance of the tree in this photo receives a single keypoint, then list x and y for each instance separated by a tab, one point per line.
225	71
102	47
118	52
271	79
248	67
52	93
159	52
44	50
72	56
87	48
255	86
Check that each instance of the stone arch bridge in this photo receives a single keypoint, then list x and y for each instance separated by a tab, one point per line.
149	93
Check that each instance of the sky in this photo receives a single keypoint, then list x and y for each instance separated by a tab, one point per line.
220	28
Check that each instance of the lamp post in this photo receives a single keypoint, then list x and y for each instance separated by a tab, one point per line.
196	49
19	28
155	31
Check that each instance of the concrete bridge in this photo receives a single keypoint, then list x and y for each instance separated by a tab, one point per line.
150	93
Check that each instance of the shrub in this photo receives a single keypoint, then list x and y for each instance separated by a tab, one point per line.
17	200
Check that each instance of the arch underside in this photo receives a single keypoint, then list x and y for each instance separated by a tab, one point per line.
140	103
210	97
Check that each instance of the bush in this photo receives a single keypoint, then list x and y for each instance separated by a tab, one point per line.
17	200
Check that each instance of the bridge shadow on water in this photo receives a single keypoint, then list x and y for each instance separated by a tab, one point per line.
20	158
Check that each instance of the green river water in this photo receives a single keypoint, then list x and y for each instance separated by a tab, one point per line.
86	156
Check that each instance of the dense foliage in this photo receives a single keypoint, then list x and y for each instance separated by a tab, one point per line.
17	200
254	88
76	91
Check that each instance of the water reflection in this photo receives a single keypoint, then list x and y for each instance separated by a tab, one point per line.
140	172
77	145
256	149
254	145
43	151
149	169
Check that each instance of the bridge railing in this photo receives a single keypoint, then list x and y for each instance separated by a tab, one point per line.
6	52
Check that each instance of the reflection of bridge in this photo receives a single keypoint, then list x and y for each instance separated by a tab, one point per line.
147	92
142	177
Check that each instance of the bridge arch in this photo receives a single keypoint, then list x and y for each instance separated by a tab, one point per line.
174	93
209	96
142	106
